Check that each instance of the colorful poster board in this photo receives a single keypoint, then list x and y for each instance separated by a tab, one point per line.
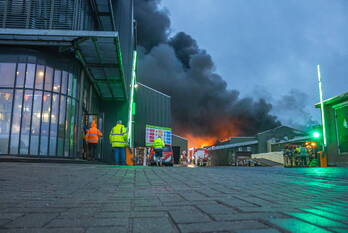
152	132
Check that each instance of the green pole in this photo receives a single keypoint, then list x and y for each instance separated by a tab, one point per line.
131	101
322	106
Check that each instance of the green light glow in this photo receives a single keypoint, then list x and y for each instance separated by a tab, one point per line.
316	135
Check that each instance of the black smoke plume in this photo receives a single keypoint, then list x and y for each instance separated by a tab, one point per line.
201	103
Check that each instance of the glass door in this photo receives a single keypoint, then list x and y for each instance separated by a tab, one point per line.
99	120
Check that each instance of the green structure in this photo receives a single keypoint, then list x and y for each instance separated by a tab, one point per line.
336	122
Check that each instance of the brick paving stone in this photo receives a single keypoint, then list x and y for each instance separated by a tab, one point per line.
216	209
147	202
246	216
4	221
153	225
317	220
297	226
333	210
52	198
268	230
194	196
31	220
220	226
326	214
339	230
107	230
81	222
44	230
189	216
37	210
79	212
10	215
238	203
112	215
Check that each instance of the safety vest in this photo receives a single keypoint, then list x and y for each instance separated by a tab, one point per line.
158	143
118	136
92	135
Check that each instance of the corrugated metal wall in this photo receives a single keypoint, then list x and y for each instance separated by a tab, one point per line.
123	13
152	107
46	14
180	142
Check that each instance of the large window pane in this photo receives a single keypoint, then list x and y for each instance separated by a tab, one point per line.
35	127
72	128
57	80
5	118
61	126
20	74
40	75
68	128
7	74
25	130
29	80
75	93
54	124
16	121
48	78
70	84
64	82
45	122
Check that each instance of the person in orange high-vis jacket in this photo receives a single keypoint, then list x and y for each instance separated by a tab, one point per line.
92	139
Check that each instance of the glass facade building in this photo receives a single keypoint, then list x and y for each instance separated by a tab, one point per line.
63	64
62	61
38	105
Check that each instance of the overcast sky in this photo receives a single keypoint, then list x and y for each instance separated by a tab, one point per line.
270	48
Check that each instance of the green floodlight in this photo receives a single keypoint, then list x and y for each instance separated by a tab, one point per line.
316	135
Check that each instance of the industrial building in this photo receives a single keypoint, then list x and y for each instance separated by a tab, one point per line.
154	108
228	152
336	123
64	63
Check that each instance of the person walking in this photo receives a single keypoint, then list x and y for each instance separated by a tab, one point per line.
92	140
118	139
286	155
183	158
158	146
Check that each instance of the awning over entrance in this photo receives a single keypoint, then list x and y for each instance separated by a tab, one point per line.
99	52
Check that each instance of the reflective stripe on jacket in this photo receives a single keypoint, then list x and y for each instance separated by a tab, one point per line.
92	135
118	136
158	143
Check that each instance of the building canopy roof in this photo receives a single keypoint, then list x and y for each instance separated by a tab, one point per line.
99	52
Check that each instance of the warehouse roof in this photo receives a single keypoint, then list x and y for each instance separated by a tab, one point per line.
334	100
233	145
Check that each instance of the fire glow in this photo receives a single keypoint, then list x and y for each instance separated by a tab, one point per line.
222	134
199	142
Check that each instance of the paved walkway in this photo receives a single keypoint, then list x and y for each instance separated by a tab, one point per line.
99	198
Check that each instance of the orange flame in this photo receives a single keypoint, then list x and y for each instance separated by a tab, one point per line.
224	133
199	142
